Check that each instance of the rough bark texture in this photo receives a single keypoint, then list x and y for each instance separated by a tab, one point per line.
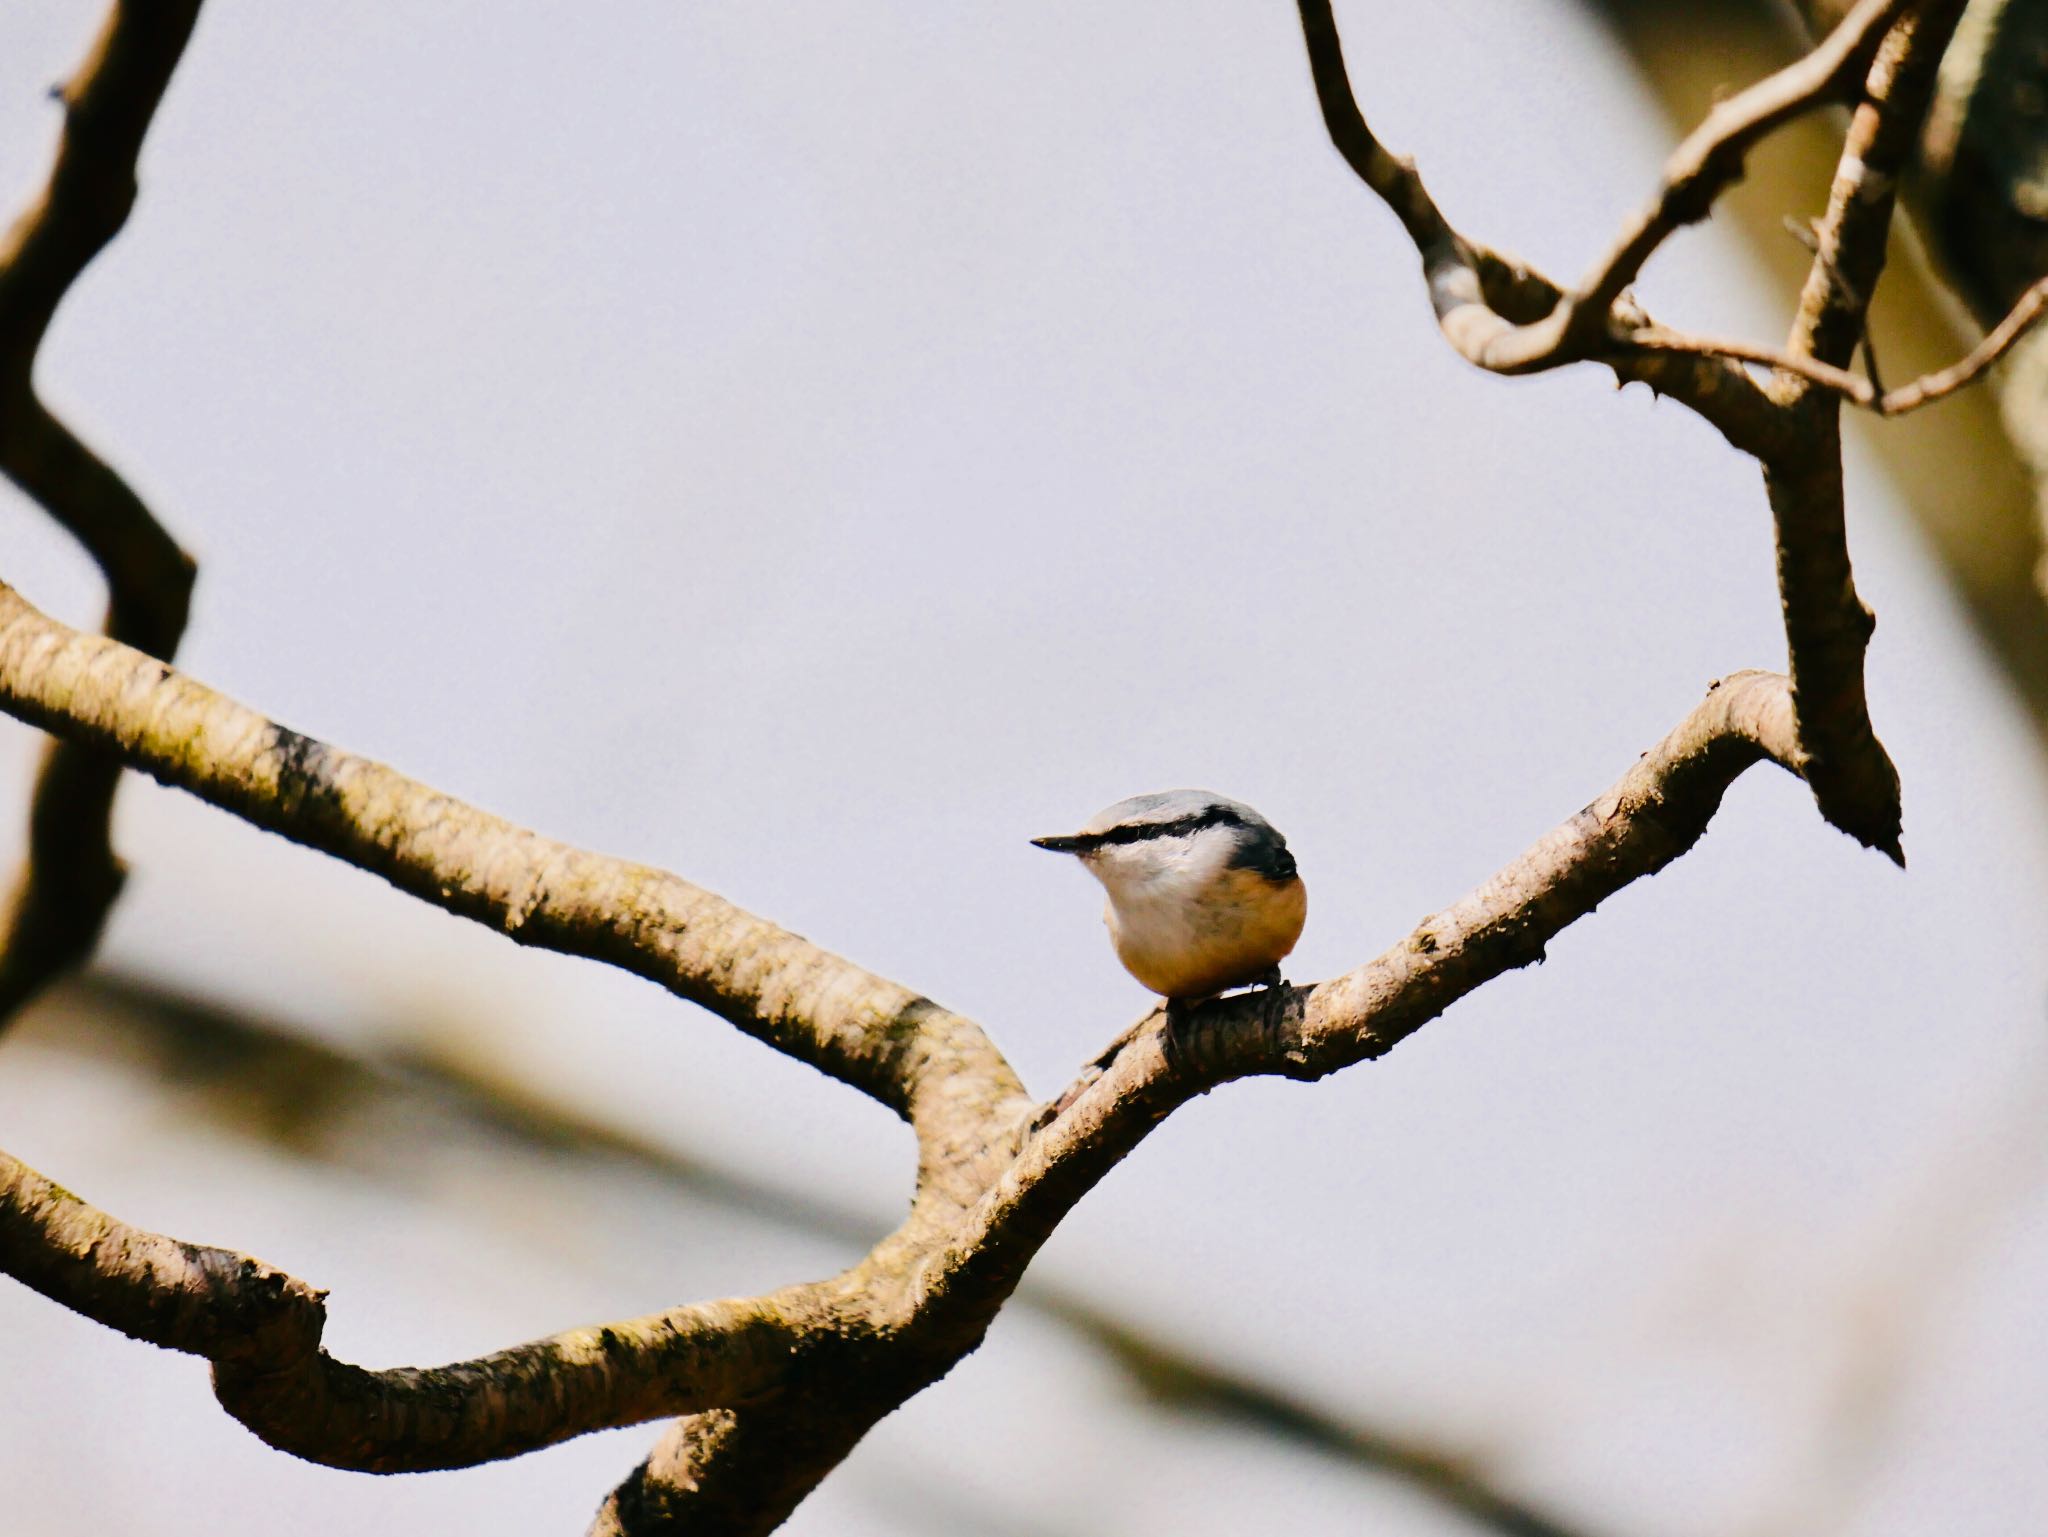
379	1120
811	1366
774	1391
1827	626
903	1049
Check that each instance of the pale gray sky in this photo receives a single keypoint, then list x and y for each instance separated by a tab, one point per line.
817	448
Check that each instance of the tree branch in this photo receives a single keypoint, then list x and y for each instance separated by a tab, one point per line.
1853	387
1657	811
1528	324
261	1328
735	1473
1494	310
965	1270
1709	159
933	1067
60	902
1793	432
206	1302
925	1295
1827	626
1996	343
263	1080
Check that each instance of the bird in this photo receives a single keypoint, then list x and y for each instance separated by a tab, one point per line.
1203	893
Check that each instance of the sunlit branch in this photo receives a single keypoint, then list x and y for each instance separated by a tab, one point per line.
929	1064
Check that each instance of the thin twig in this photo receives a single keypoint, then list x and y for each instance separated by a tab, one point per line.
1495	311
1996	343
1851	387
1709	159
1854	388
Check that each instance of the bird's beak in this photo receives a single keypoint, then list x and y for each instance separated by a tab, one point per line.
1060	844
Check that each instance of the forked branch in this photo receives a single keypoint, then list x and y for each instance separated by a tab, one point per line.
966	1268
1885	53
926	1294
775	1390
1530	324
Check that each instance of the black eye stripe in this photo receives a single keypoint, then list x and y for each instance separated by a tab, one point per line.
1144	832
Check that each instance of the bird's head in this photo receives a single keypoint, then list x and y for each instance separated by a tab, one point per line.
1150	837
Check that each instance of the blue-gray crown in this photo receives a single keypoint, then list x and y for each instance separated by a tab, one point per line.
1181	814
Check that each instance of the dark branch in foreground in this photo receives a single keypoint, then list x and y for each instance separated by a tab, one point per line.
53	918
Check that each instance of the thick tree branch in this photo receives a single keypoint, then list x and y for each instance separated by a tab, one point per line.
261	1329
206	1302
54	915
1655	813
408	1420
934	1067
235	1073
1827	626
898	1320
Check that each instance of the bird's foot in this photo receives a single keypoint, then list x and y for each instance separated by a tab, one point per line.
1178	1012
